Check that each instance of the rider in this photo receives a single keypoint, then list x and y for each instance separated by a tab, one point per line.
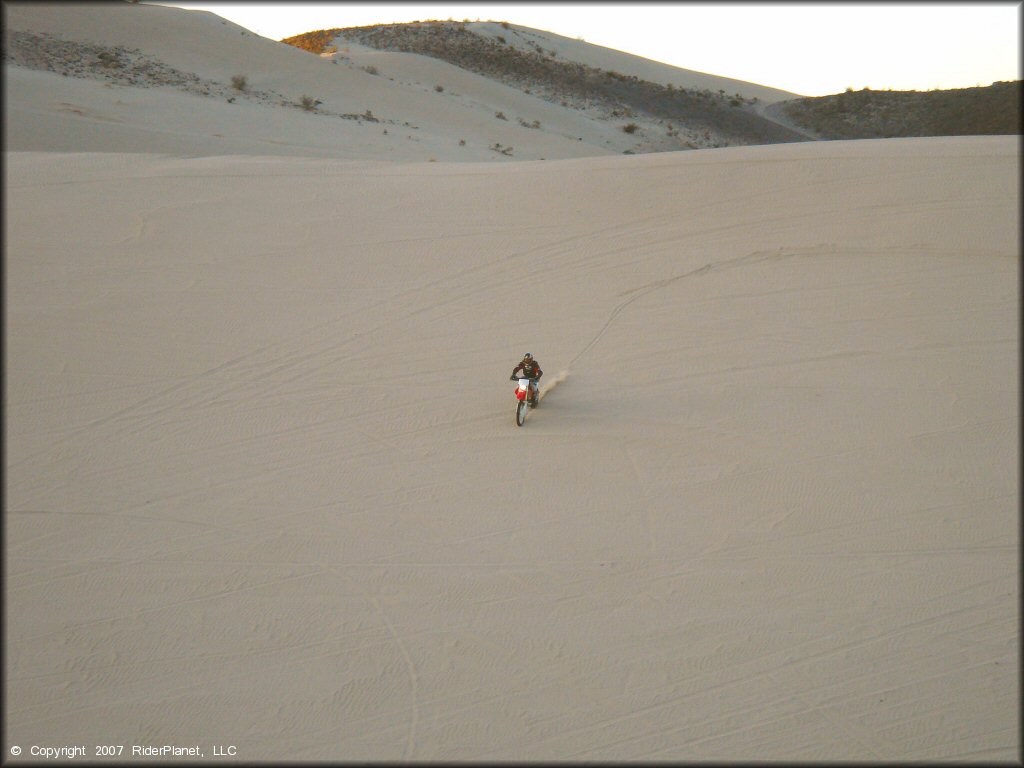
531	370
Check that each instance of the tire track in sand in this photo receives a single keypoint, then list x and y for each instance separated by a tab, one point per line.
414	715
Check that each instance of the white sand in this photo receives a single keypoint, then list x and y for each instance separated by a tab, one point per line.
264	487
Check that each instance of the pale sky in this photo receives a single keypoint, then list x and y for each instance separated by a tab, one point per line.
808	49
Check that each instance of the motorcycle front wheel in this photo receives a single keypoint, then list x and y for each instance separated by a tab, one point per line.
521	413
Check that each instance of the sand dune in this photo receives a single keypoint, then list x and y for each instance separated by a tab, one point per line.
264	487
598	56
129	109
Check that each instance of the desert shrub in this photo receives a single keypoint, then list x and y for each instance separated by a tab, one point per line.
309	103
238	82
371	70
500	115
462	142
439	88
314	42
108	59
631	128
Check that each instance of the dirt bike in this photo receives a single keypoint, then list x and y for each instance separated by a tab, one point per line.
526	394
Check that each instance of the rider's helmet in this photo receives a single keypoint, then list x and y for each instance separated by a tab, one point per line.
527	356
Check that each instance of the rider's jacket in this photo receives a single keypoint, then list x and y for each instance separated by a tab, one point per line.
531	369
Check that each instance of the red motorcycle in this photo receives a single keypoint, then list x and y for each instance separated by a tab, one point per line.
526	394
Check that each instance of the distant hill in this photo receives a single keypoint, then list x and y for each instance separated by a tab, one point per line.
537	70
547	44
77	74
867	114
542	64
